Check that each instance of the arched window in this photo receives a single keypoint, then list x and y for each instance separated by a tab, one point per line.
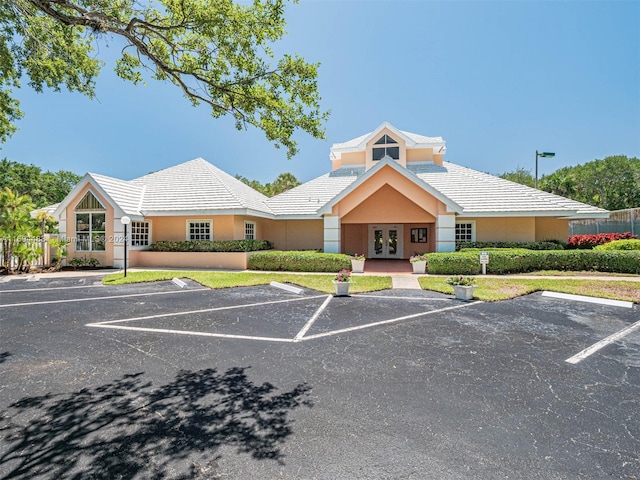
386	146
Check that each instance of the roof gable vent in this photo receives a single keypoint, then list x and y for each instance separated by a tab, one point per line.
89	202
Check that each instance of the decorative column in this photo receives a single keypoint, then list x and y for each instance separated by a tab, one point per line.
118	243
331	234
446	233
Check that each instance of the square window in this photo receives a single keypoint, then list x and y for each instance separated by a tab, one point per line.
200	230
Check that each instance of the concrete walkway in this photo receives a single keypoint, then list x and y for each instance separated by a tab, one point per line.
405	281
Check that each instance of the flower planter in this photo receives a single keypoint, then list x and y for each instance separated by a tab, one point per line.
342	288
464	292
419	267
357	266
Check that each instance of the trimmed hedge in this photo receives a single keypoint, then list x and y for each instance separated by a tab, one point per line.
299	261
546	245
208	246
505	262
620	245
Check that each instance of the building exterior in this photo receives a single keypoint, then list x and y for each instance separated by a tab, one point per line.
389	194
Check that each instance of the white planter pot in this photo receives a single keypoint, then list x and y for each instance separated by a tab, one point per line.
419	267
357	266
463	292
342	288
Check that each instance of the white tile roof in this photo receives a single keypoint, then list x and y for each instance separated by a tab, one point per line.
358	142
198	187
483	194
192	187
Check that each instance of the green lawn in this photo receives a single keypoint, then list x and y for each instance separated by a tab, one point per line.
492	289
489	289
319	282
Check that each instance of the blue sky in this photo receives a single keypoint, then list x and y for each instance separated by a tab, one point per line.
496	79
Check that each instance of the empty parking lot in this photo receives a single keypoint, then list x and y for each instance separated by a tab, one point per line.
158	381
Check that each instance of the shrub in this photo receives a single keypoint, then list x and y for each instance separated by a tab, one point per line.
593	240
79	262
633	244
299	261
211	246
546	245
519	261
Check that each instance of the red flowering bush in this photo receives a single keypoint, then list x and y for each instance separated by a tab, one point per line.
593	240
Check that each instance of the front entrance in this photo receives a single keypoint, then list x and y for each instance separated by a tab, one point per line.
385	241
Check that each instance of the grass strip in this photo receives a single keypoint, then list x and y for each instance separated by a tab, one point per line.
321	283
494	289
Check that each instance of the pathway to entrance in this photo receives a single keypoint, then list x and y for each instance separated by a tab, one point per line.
400	271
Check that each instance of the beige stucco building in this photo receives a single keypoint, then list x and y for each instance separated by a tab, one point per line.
389	194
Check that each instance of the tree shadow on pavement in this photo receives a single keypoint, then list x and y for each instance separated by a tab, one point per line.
129	429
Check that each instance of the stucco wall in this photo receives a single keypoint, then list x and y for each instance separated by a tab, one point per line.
104	257
175	228
226	260
552	228
355	238
507	229
294	234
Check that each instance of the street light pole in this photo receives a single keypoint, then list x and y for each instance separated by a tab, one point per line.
543	155
125	221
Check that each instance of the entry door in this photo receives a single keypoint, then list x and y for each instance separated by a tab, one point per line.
385	241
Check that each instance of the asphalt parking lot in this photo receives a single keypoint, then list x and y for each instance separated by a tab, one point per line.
156	381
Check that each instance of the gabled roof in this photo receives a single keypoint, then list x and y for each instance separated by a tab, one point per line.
412	140
389	162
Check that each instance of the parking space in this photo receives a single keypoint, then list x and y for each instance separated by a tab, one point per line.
393	384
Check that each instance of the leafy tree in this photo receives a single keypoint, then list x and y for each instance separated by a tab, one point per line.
284	182
216	51
43	188
612	183
17	228
520	175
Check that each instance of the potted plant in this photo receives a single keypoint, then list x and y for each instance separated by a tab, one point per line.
463	287
342	282
419	263
357	263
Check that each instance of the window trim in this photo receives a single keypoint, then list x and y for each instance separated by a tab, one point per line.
90	231
253	224
130	235
198	220
472	223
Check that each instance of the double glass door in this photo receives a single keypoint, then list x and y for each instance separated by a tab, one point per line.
385	241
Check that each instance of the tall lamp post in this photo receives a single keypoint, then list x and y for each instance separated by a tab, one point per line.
543	155
125	221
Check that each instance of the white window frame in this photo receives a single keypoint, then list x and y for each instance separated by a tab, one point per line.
472	225
90	231
253	230
132	232
199	220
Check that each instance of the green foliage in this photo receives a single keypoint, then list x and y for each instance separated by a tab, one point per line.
521	176
633	244
522	261
18	230
461	281
284	182
60	246
217	52
207	246
44	188
546	245
612	183
80	262
299	261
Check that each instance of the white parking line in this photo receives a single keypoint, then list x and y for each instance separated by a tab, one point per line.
384	322
49	302
578	357
313	318
188	332
583	298
40	289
